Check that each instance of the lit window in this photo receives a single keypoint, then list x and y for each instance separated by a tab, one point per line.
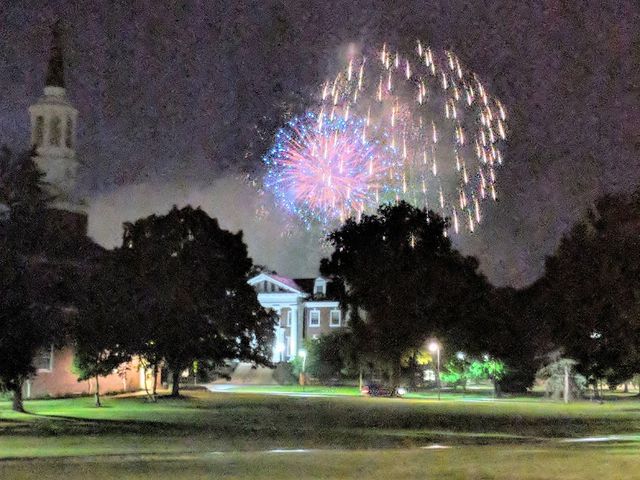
334	319
43	360
314	318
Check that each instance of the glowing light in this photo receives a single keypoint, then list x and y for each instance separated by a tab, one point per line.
323	169
397	123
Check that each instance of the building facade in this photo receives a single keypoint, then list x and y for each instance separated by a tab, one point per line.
306	307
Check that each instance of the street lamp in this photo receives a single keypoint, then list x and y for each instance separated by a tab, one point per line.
302	353
434	347
461	356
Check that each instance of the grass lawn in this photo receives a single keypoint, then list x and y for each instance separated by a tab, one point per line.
232	435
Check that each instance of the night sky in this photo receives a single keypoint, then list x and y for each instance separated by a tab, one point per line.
177	102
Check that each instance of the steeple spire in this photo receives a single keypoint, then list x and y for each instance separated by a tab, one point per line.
55	70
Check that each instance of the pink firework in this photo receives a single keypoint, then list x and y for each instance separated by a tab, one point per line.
324	169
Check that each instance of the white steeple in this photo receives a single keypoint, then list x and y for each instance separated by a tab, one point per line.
53	131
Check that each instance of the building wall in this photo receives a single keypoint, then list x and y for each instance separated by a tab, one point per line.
61	380
325	327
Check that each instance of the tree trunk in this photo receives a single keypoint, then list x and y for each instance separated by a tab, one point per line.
497	392
17	404
98	404
360	380
566	384
146	388
175	387
393	378
155	382
626	387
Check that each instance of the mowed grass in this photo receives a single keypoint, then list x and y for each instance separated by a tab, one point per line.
486	463
232	435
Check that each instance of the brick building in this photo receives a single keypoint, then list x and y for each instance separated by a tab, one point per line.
306	308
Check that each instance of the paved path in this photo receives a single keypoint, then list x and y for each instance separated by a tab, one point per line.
233	388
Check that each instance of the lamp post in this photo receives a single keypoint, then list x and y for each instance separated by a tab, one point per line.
434	347
461	356
302	379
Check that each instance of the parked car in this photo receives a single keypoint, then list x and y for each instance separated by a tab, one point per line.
378	390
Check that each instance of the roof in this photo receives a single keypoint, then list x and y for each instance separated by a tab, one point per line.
55	69
307	284
289	282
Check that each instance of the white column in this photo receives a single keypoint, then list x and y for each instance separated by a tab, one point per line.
278	338
294	331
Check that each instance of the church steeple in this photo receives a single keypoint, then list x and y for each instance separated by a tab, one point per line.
54	123
55	70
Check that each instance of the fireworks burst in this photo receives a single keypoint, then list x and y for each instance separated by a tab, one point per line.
323	169
392	126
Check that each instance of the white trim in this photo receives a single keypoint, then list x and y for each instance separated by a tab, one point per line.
322	303
311	324
281	299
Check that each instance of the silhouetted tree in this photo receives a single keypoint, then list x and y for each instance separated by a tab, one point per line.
22	333
591	291
192	297
104	331
30	289
403	282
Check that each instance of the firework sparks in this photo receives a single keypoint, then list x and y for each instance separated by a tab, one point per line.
416	127
324	169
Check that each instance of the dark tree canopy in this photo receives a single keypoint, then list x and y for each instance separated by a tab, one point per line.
404	283
191	294
22	333
104	332
35	293
591	291
23	201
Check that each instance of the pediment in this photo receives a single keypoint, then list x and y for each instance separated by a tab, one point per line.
265	283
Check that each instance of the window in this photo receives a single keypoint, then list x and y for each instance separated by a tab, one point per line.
68	133
39	131
334	318
289	315
314	318
320	286
54	131
43	360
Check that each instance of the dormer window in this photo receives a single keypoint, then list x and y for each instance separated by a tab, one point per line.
320	287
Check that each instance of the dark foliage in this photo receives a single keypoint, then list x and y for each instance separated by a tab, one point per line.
103	332
190	292
590	292
35	293
399	267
